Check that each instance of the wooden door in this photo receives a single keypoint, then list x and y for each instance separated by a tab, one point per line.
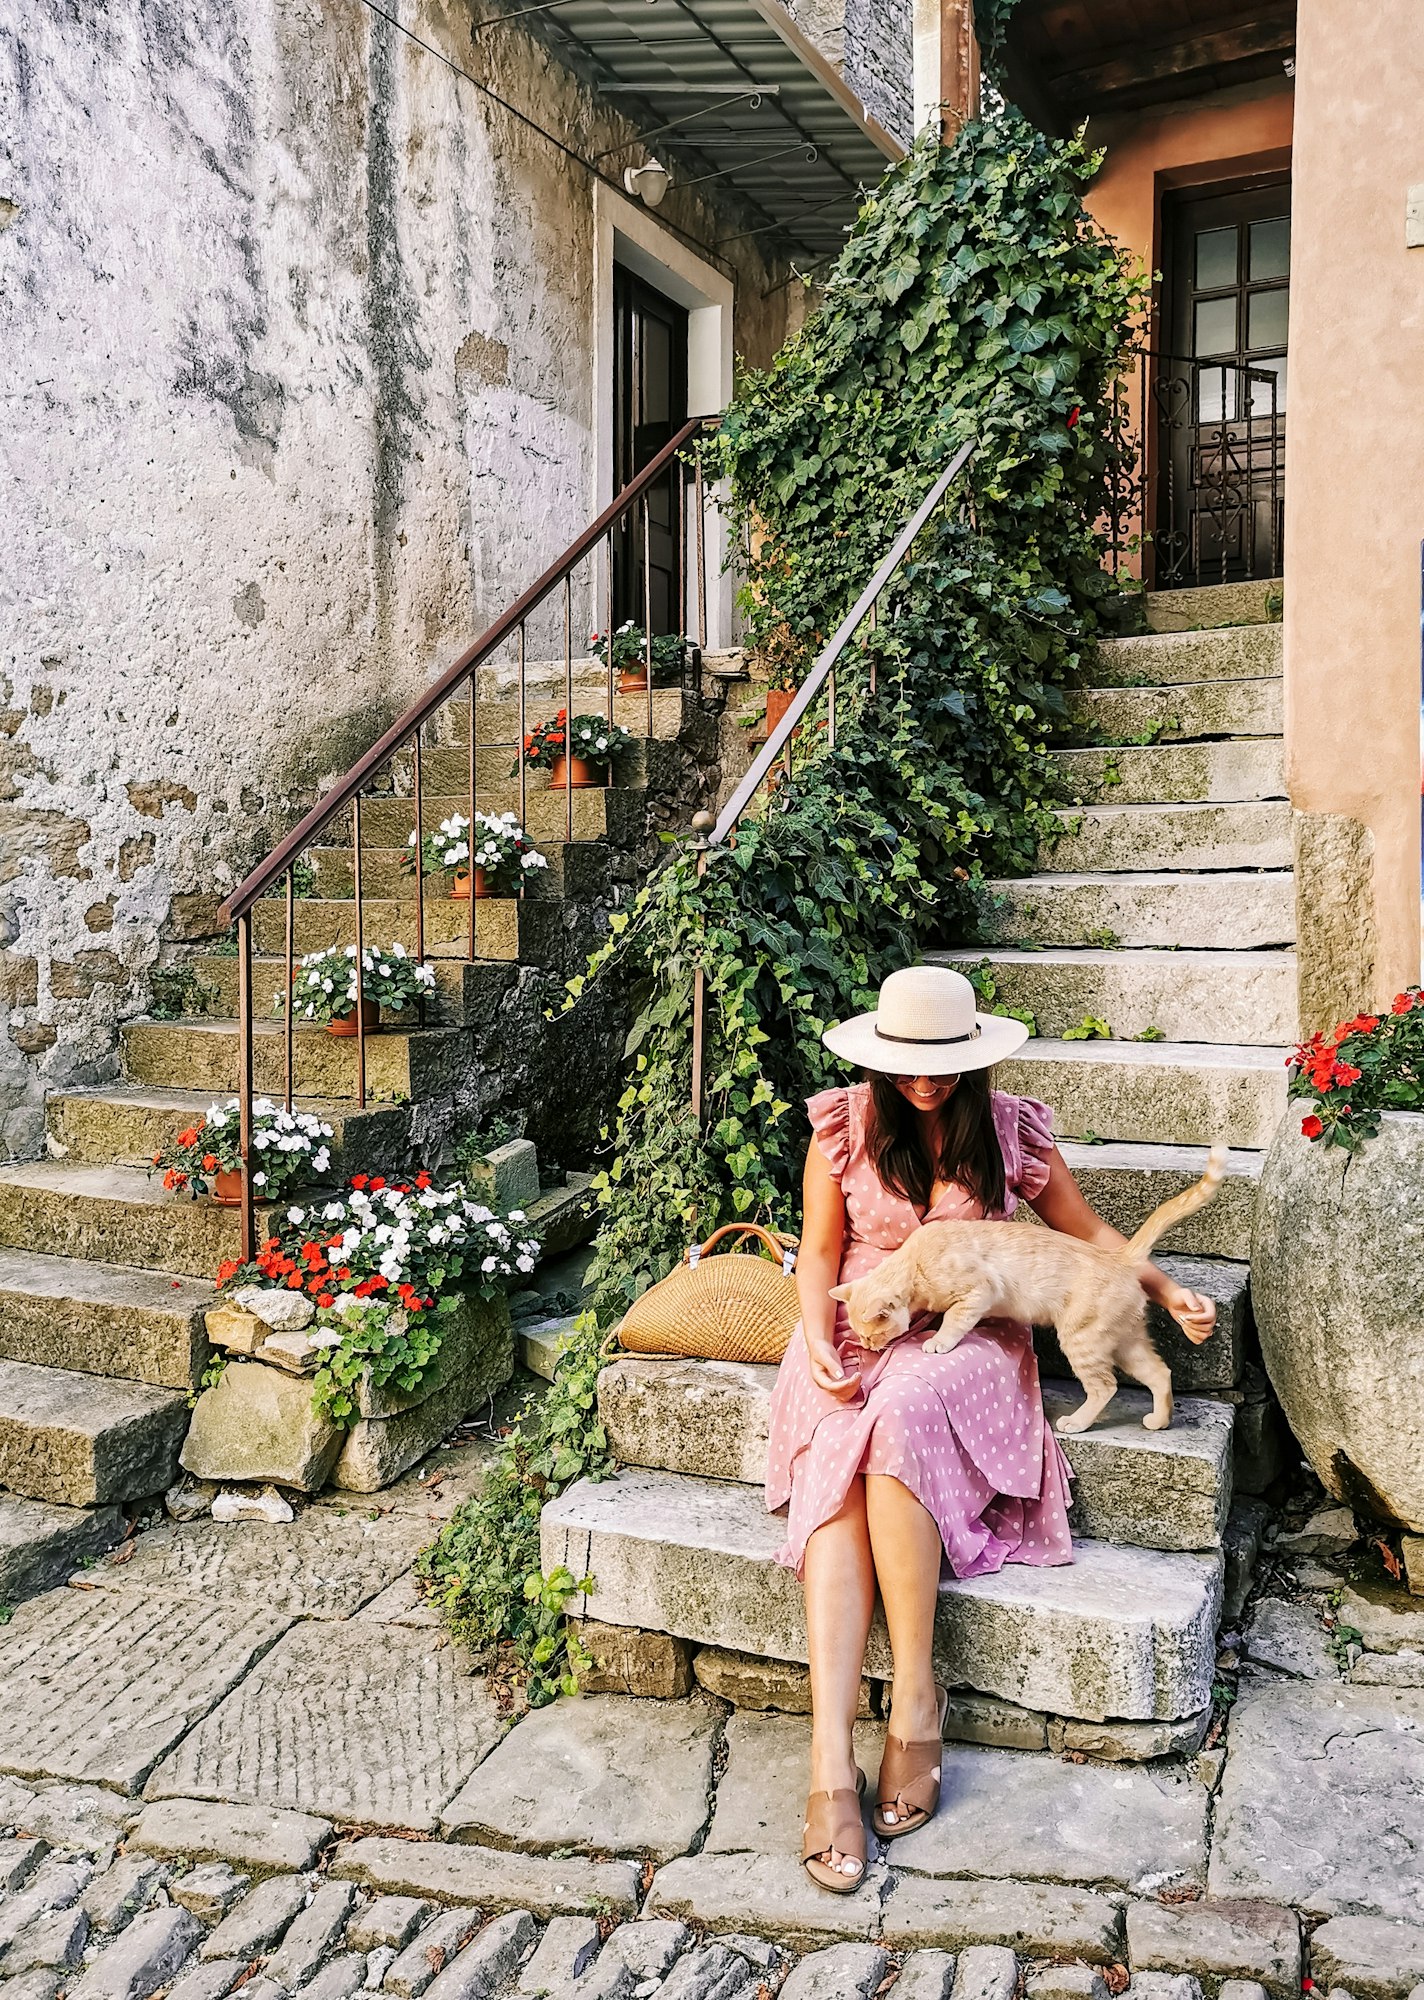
649	405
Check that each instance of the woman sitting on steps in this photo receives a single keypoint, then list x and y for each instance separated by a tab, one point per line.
896	1462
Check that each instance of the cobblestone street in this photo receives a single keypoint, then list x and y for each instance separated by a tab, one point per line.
246	1755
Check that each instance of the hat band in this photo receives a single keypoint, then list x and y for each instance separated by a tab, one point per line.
927	1041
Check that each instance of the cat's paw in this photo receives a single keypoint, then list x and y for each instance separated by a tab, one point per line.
941	1343
1155	1421
1075	1421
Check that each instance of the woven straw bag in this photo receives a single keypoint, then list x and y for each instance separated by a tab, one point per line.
737	1307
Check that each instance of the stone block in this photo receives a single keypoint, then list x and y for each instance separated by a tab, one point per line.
487	1962
770	1894
1241	1545
1120	1632
1066	1982
391	1921
1241	1989
1218	1940
87	1819
1125	1182
1387	1620
747	1682
1401	1670
311	1935
507	1177
761	1794
602	1773
1131	1742
1196	834
1291	1638
1217	1365
637	1663
209	1890
1411	1548
18	1859
1034	1919
210	1981
649	1946
1259	1444
565	1952
145	1957
246	1503
234	1329
258	1423
1164	1986
489	1877
838	1972
42	1985
250	1837
324	1565
1183	1093
255	1924
116	1896
83	1440
428	1953
1373	1959
54	1886
100	1684
293	1352
56	1940
475	1343
1348	1762
40	1544
311	1729
926	1975
1025	1817
1245	912
339	1978
986	1972
715	1972
1001	1725
380	1447
1329	1531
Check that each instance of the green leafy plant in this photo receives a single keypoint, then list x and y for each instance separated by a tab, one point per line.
1150	1035
975	299
303	884
1363	1068
981	978
178	992
290	1147
375	1339
593	737
1102	939
483	1571
474	1146
630	647
1089	1029
503	851
324	985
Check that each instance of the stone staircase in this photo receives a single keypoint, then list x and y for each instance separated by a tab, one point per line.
1166	909
105	1278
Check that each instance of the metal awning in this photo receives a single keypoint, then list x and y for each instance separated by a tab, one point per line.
798	152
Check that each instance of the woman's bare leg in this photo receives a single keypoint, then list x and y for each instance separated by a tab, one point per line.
840	1596
906	1547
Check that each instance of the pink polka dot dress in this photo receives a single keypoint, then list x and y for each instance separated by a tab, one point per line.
964	1431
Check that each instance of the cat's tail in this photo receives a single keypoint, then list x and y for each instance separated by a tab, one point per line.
1178	1208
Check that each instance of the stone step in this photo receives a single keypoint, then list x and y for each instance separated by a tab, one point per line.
1204	839
663	719
1179	714
1127	1633
1229	911
41	1544
1157	1093
1231	769
1205	606
1215	1368
599	813
580	869
1230	996
114	1215
118	1124
84	1440
1221	913
401	1063
1125	1182
1156	659
464	992
102	1319
1146	1489
548	934
647	765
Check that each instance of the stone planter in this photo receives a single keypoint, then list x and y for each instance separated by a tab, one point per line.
1337	1280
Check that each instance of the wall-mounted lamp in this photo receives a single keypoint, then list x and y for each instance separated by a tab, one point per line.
649	183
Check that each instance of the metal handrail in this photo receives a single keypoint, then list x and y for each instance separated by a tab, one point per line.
253	886
712	835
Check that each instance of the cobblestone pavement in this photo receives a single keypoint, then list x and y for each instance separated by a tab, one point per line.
245	1756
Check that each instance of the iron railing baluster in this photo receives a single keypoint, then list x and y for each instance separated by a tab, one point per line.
420	869
244	1081
568	711
360	953
648	611
288	1011
473	733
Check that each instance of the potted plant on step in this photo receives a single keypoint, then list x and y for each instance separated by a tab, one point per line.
1337	1259
503	855
290	1148
324	986
574	753
631	647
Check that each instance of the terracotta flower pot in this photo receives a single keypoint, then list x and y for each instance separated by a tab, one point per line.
1337	1289
778	700
633	680
573	772
460	887
345	1024
226	1191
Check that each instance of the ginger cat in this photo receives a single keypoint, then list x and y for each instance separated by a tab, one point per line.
970	1271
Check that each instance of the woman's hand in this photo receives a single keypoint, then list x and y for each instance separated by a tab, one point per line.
1194	1313
827	1371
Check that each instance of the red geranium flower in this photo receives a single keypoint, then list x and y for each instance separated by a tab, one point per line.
1401	1003
326	1299
1311	1126
1346	1073
358	1180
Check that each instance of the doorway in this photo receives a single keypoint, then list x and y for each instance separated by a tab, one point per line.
1220	387
649	406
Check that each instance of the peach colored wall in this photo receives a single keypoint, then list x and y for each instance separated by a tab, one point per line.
1355	470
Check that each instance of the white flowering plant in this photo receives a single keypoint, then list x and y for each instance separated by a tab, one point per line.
289	1148
500	847
324	986
592	737
630	648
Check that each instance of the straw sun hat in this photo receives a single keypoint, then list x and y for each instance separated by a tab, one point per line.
925	1024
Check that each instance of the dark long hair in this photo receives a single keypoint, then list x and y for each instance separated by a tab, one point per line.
969	1149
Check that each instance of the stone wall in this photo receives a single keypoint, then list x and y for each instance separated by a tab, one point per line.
297	338
871	42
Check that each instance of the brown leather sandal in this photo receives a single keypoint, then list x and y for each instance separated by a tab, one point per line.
909	1781
835	1820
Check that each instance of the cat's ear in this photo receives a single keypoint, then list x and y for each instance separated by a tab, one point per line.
841	1292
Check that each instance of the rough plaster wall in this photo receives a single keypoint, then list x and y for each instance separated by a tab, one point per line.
872	43
296	357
